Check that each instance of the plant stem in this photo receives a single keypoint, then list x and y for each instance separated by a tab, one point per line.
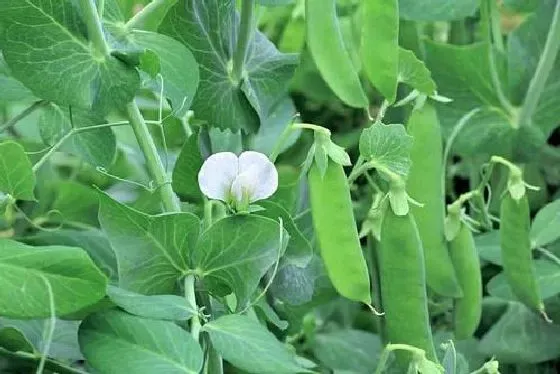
243	39
544	67
94	27
486	19
153	161
149	13
27	111
495	27
191	298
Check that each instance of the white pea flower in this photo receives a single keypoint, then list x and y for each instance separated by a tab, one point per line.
238	181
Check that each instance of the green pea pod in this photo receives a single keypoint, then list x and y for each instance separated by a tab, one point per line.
403	286
337	234
467	309
424	185
516	251
380	45
327	48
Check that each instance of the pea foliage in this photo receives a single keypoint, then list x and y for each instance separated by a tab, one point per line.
279	186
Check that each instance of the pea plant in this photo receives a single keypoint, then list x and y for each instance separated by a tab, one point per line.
279	186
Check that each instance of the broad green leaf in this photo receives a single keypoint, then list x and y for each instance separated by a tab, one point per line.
299	250
525	46
488	247
27	273
92	240
97	147
185	172
16	175
64	345
165	307
548	279
380	45
76	202
116	342
457	69
236	252
521	336
294	285
12	89
387	146
545	228
249	346
225	140
414	73
151	251
178	68
437	10
462	73
354	351
45	47
209	30
272	128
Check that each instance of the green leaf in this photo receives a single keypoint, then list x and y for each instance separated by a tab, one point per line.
151	251
249	346
545	228
387	146
521	336
185	172
12	89
488	247
548	279
92	240
295	285
272	128
236	252
414	73
45	46
299	250
27	273
178	68
380	45
348	350
76	202
16	175
457	69
115	342
525	44
463	73
437	10
209	30
64	345
97	147
165	307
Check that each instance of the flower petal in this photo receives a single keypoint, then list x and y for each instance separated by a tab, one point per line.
217	174
256	168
